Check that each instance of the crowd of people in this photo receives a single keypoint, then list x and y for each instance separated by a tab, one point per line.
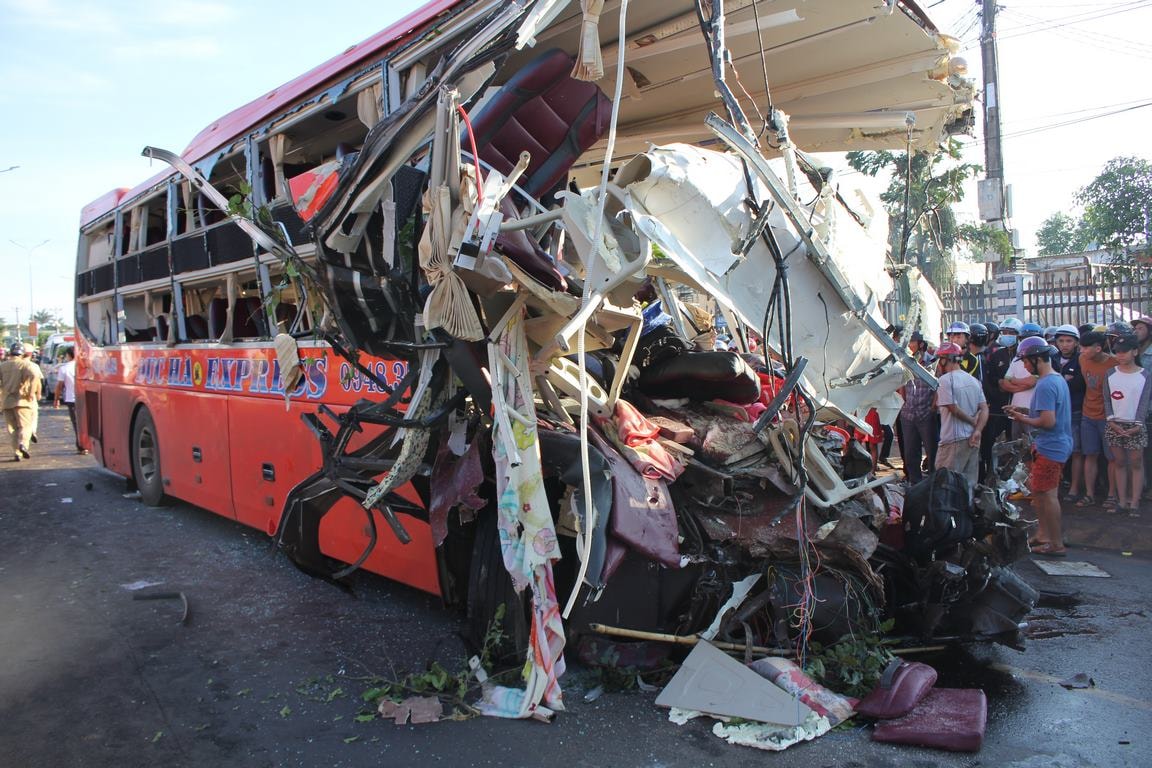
1077	396
21	390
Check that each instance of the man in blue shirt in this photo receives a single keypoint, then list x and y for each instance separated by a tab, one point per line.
1050	418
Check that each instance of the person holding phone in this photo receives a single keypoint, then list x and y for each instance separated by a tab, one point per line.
1050	419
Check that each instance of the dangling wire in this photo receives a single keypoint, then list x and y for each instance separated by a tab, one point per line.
767	121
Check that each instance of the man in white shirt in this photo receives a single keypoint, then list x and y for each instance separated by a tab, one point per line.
66	391
963	414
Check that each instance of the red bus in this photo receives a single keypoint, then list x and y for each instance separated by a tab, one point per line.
290	241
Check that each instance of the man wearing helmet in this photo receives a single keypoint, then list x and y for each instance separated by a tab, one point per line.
1018	382
1049	418
1067	364
963	413
20	389
993	336
960	334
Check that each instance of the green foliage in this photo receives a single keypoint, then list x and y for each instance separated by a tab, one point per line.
1061	233
453	689
1118	203
852	666
936	183
983	238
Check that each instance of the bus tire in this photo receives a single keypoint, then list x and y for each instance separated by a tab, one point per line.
146	472
489	587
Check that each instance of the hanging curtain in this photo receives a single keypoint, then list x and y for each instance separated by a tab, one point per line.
368	105
277	145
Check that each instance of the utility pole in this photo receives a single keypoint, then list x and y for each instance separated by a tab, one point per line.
993	154
991	191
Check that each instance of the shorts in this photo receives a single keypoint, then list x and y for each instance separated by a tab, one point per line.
1076	417
1092	441
1045	474
1136	442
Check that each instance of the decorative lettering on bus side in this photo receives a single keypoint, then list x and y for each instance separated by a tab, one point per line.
262	377
103	364
352	380
232	374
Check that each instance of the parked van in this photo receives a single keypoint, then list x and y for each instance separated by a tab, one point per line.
51	356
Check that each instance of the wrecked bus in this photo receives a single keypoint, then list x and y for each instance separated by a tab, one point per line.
443	309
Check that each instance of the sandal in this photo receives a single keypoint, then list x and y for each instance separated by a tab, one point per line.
1048	550
1085	501
1072	498
1111	504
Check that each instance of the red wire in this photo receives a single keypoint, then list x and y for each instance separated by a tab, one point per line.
475	155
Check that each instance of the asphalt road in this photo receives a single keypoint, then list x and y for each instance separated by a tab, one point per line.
270	667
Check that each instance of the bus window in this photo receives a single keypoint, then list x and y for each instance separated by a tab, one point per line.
229	175
292	314
136	325
98	318
197	302
97	246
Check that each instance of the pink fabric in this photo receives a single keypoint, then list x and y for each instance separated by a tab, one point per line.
635	437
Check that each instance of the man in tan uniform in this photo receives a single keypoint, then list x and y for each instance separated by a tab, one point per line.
20	389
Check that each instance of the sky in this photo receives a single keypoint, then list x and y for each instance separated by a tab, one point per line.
84	86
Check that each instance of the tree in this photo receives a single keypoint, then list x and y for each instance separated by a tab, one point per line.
1061	233
44	317
1118	204
930	232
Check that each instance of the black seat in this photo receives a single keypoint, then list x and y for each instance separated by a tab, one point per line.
217	317
196	326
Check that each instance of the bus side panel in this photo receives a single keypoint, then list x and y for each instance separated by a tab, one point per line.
193	432
344	533
116	405
272	451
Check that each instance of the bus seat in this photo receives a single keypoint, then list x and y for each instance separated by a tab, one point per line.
217	317
196	326
248	320
285	315
161	325
549	113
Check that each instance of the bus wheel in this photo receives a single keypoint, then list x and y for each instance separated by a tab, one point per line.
489	589
146	460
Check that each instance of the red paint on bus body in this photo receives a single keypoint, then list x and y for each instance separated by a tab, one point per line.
220	417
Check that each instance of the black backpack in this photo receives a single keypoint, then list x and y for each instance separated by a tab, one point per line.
937	514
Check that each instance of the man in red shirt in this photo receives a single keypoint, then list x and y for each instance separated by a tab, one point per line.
1095	364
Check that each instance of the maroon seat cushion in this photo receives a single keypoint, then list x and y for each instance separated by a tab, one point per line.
544	110
947	718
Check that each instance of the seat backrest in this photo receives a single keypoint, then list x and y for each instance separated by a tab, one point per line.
196	326
285	316
549	113
217	317
248	318
161	325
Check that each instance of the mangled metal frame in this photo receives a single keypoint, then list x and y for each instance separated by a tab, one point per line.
422	400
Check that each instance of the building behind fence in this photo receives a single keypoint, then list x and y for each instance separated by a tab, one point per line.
1074	288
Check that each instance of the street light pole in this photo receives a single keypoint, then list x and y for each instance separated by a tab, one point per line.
29	250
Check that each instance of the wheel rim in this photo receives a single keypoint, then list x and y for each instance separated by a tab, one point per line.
146	455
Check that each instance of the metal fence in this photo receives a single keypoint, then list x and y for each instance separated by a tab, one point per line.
970	302
1056	302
